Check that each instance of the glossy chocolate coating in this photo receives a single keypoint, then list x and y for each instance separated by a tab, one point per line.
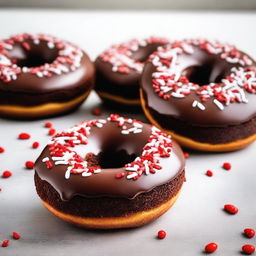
31	90
120	84
204	68
110	139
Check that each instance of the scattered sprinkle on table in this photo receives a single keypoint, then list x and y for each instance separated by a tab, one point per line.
161	234
230	208
209	173
2	150
248	249
5	243
249	232
6	174
48	125
35	144
16	235
24	136
51	132
29	164
211	247
226	166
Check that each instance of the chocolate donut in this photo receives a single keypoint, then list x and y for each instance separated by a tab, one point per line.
118	70
110	173
41	76
202	93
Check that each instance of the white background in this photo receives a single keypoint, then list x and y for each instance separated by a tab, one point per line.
197	218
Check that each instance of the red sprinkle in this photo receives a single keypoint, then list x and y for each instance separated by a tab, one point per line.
24	136
6	174
16	235
5	243
248	249
48	125
52	131
209	173
249	232
230	208
226	166
49	164
29	165
161	234
35	144
96	112
119	175
211	247
186	155
26	46
2	150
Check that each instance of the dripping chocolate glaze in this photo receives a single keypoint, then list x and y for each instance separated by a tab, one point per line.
109	138
27	87
181	108
126	85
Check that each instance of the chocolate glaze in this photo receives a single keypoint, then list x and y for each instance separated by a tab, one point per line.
203	68
212	135
109	139
120	84
31	90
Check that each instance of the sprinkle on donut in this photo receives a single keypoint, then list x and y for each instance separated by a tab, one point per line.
168	80
62	148
68	59
120	56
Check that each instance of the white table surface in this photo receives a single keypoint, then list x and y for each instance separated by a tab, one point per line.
197	218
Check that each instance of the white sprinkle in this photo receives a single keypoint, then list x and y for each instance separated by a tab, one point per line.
61	162
232	60
125	132
218	104
99	125
177	95
50	45
146	167
45	159
200	106
86	174
25	69
67	173
36	41
194	104
131	169
137	125
132	175
137	131
39	74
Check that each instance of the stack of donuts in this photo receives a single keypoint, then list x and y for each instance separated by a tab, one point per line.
198	93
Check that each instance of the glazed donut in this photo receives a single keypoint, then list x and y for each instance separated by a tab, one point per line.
202	93
85	177
41	75
118	70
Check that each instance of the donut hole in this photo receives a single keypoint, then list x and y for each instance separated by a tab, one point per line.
36	56
204	74
114	159
143	53
110	159
35	61
108	148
